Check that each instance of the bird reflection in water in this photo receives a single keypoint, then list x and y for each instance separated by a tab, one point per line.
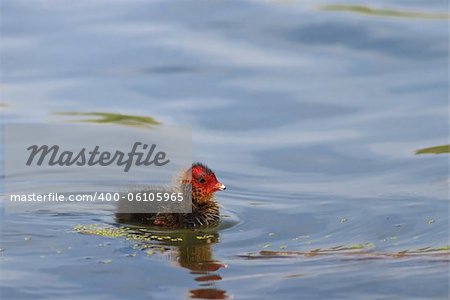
190	249
195	253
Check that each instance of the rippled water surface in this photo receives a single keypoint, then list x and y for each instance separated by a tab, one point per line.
310	113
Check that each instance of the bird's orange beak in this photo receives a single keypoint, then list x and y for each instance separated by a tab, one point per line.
220	187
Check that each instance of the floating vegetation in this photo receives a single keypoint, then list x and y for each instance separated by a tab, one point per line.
357	251
113	118
96	229
445	248
385	12
144	235
434	150
204	237
134	234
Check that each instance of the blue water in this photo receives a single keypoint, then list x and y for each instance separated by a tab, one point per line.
310	117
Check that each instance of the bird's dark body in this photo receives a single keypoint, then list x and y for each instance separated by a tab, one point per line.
198	187
203	215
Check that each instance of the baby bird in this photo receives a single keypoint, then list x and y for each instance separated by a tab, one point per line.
205	209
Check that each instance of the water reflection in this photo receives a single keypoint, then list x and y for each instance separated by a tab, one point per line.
192	250
311	116
196	255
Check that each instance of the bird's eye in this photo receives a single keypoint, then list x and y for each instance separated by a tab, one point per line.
202	180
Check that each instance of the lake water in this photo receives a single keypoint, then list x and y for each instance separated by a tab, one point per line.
310	114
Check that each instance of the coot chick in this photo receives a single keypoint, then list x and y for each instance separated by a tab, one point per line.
205	209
